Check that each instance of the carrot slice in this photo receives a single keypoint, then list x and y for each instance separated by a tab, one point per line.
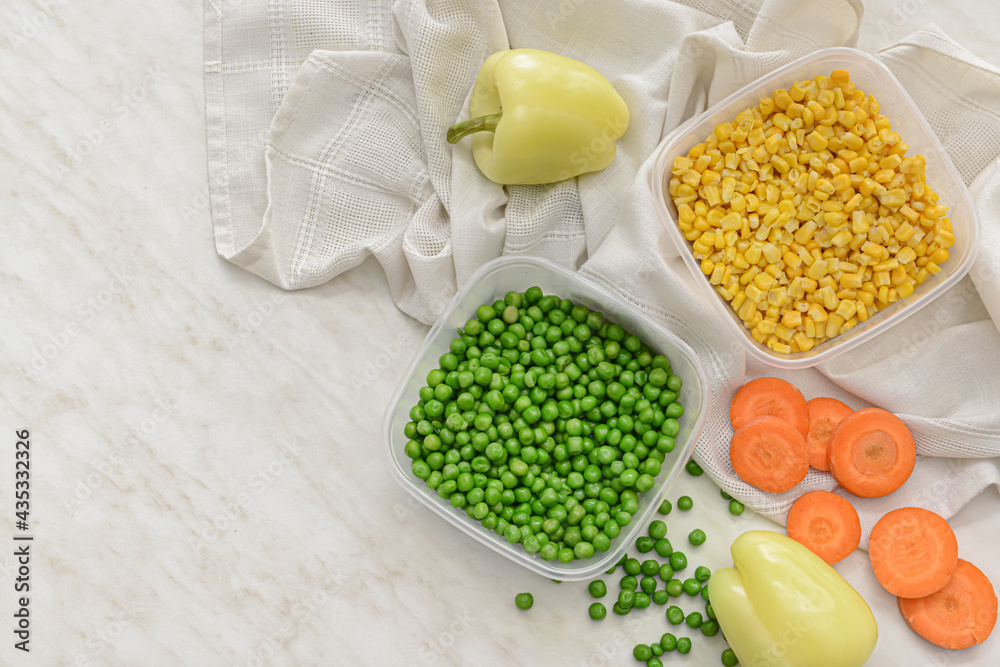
871	453
769	396
824	416
826	524
913	552
770	454
959	615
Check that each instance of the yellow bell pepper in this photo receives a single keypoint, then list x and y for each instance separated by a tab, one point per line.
782	606
541	118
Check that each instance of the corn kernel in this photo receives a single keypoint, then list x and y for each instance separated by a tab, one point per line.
817	313
804	342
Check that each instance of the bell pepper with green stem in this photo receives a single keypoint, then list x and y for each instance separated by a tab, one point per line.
539	117
783	606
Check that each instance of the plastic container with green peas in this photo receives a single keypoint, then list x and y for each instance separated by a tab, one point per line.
501	283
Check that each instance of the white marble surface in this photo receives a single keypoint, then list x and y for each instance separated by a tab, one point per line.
208	487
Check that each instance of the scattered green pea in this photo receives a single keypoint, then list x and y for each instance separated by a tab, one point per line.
640	600
683	645
675	587
642	652
598	611
650	567
664	508
663	548
702	573
597	588
644	544
657	530
685	503
668	642
632	566
626	598
647	585
725	496
656	649
675	615
710	628
524	600
660	596
696	537
729	658
678	561
693	468
666	572
628	583
735	507
654	662
693	620
692	586
620	610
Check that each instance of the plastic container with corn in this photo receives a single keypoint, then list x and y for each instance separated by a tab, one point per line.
807	215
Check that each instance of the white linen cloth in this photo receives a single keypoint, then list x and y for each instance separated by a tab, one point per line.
326	137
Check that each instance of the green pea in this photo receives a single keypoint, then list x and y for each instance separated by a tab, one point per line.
664	507
654	662
628	583
735	507
668	642
693	468
709	628
683	643
641	600
597	589
696	537
693	620
650	567
729	658
657	530
656	649
702	573
644	544
675	615
620	610
647	585
685	503
678	561
692	586
660	596
663	548
666	573
632	566
598	611
642	652
675	587
524	600
626	598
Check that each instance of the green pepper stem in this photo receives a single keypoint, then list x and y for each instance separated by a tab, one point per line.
459	131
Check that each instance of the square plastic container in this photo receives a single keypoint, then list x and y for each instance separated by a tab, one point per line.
873	78
490	283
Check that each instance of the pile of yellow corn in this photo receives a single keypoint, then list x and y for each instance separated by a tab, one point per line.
806	214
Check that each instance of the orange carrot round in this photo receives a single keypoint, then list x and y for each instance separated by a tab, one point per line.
871	453
770	454
913	552
826	524
825	414
769	396
959	615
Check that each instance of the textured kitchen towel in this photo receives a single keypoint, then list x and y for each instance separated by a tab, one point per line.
326	126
